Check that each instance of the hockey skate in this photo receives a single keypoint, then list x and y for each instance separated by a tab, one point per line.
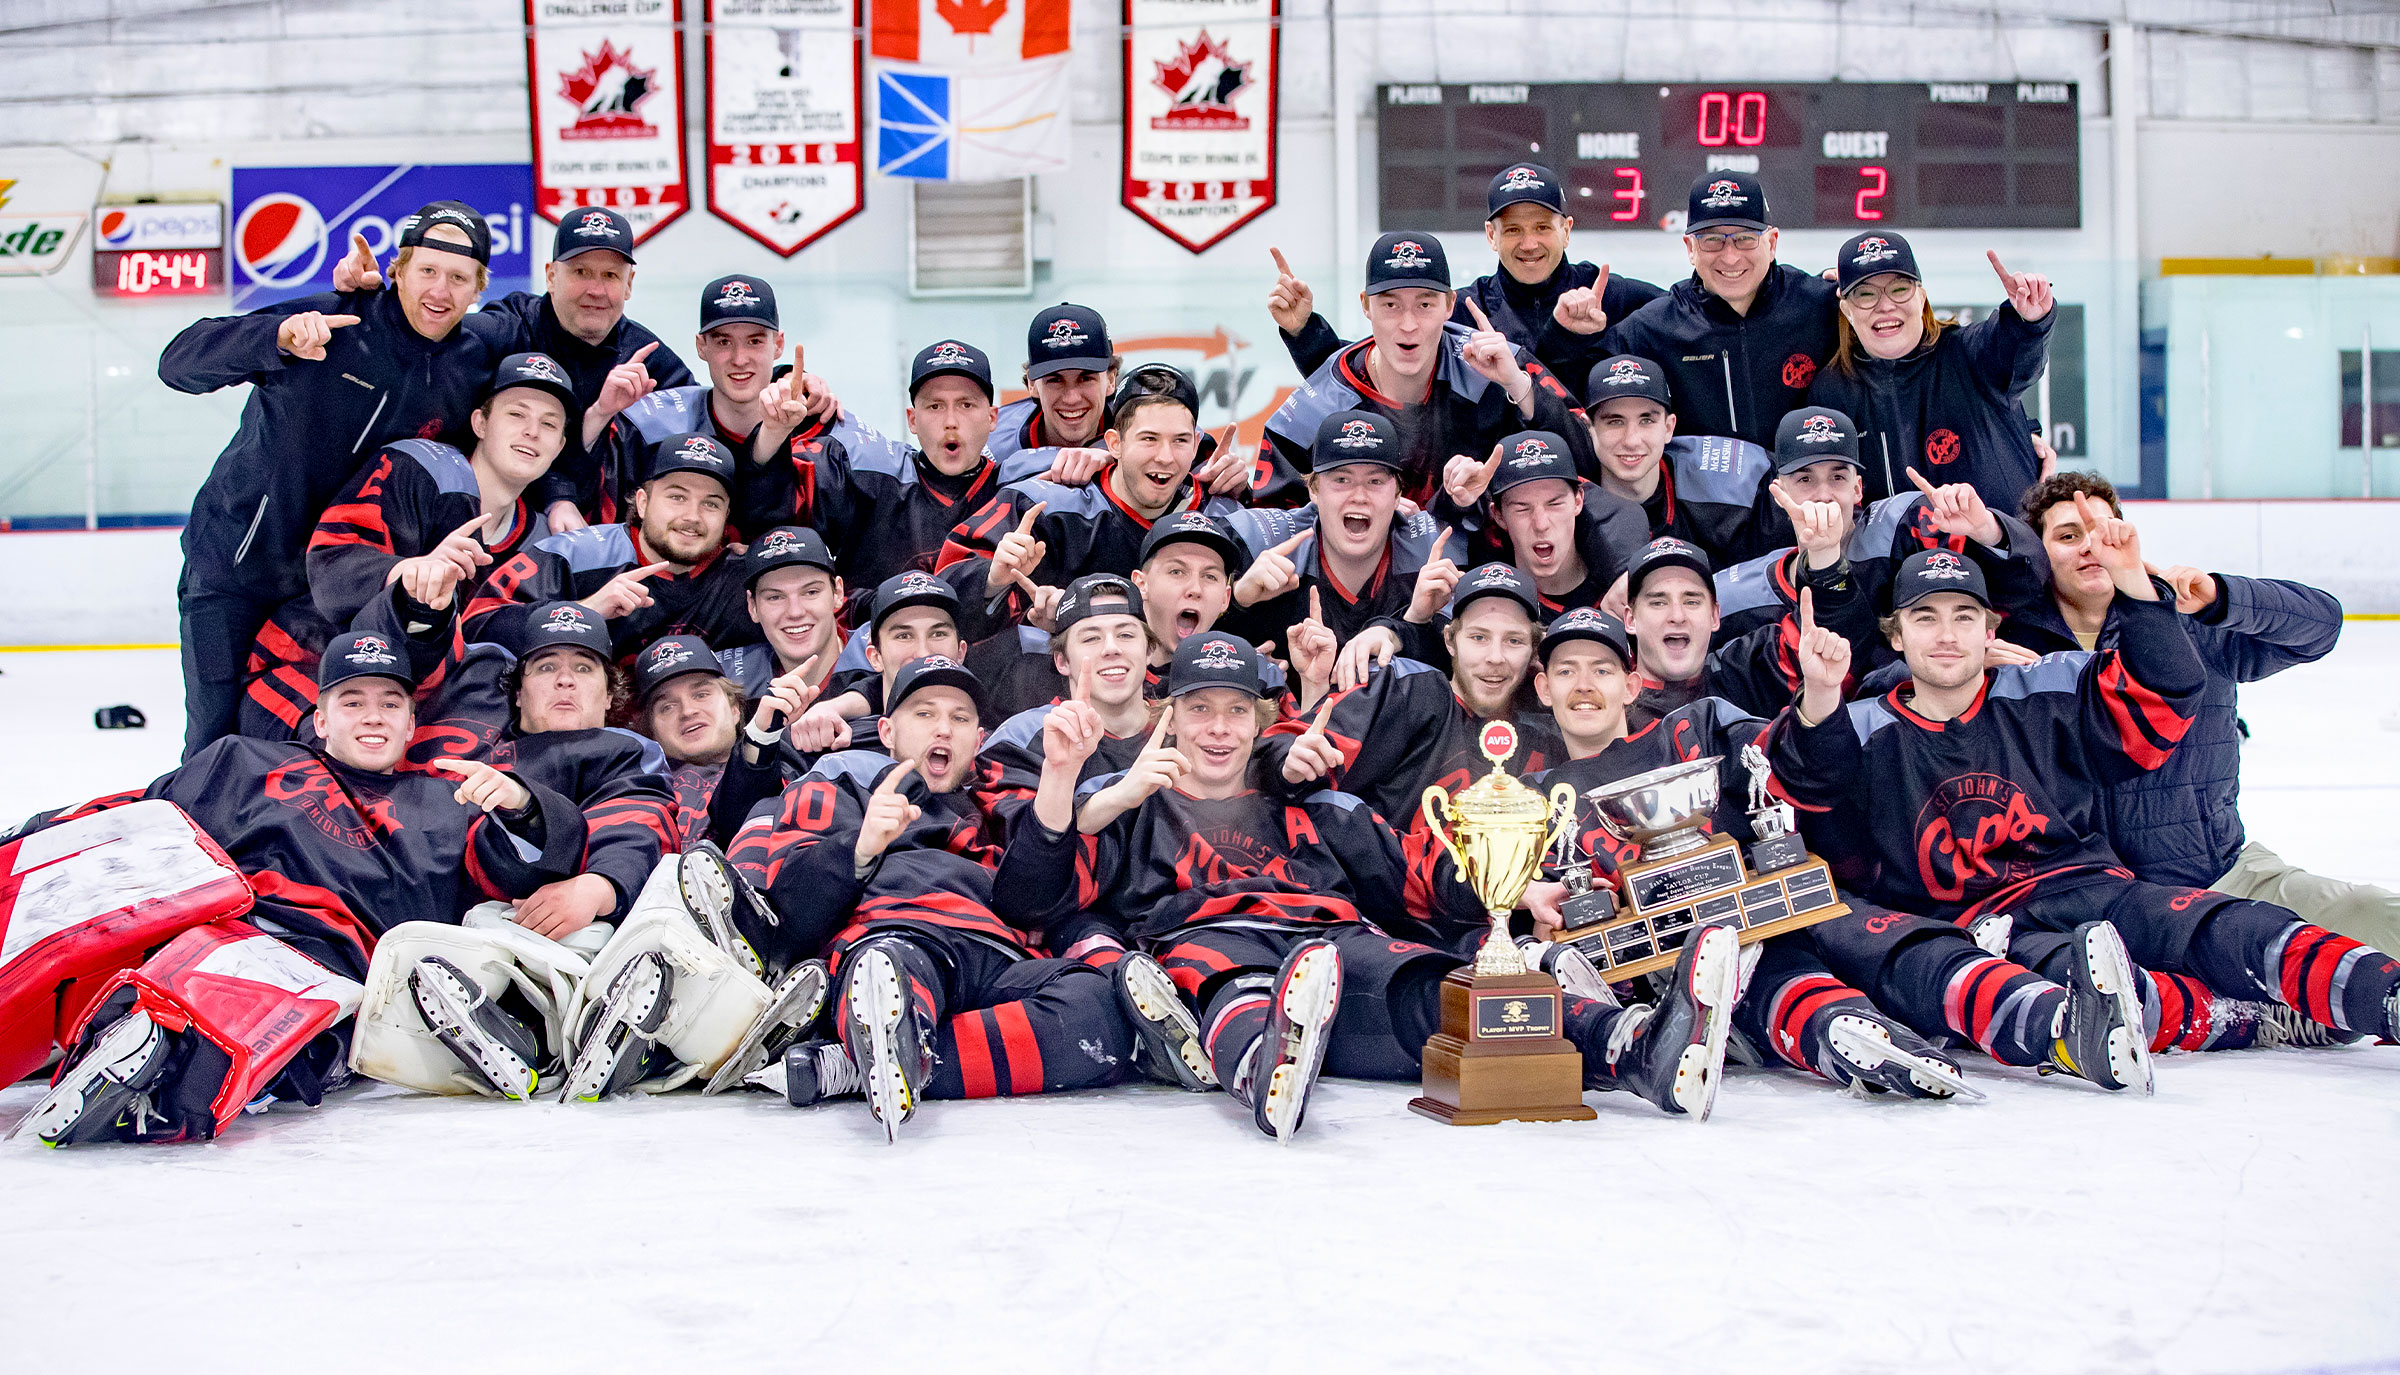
1570	968
809	1072
888	1041
614	1044
499	1049
106	1091
2101	1035
1873	1054
1166	1034
713	892
798	1001
1308	991
1673	1051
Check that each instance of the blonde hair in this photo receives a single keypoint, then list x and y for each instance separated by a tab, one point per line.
483	274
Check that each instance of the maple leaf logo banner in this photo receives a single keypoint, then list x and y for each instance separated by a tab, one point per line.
1202	82
970	90
604	83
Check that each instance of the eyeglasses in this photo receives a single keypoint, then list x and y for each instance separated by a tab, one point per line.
1868	297
1718	243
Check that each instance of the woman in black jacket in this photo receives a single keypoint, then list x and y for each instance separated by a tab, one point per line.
1937	398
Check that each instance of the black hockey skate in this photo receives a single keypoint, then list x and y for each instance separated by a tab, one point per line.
105	1096
797	1003
1307	993
501	1050
613	1047
1673	1051
1166	1034
1573	970
809	1072
721	901
1871	1053
889	1042
2101	1035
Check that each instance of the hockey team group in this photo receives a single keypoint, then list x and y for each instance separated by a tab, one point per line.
560	721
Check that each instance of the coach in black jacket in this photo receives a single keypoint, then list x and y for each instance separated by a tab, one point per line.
334	377
1743	336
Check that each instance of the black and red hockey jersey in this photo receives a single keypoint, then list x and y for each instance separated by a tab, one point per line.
1087	530
1348	610
628	449
1610	533
1759	671
1968	815
617	781
1015	747
709	600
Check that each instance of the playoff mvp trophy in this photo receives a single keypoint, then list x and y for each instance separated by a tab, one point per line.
1684	877
1501	1053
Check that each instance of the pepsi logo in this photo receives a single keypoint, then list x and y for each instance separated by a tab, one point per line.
116	228
279	240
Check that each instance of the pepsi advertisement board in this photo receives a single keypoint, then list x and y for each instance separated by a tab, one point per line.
291	225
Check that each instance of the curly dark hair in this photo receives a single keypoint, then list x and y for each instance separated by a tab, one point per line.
620	689
2058	487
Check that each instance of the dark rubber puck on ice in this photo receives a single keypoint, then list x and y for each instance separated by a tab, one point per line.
119	718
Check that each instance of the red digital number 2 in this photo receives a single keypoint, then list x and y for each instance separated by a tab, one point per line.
1874	182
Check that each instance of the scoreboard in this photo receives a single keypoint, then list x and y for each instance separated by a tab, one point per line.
1832	155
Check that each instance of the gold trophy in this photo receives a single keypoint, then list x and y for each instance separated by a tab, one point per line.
1502	1053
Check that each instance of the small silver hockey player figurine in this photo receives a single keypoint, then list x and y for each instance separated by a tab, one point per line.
1773	823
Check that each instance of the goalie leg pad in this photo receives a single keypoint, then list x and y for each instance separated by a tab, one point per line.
394	1043
714	998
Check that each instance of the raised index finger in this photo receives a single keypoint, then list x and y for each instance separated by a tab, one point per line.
891	781
1290	544
1994	258
458	765
1784	498
1280	265
1166	720
1808	611
1316	726
473	527
1025	526
1316	605
1482	322
1438	542
1919	479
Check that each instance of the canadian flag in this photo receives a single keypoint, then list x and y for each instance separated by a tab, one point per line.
962	33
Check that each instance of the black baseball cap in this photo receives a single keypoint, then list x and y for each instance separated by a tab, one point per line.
571	624
1154	381
1406	258
950	358
1197	527
1928	571
1076	603
1871	255
363	654
1215	659
933	670
540	372
738	298
1588	623
672	657
912	588
584	228
1533	456
1728	200
694	453
1520	182
1347	437
1496	580
1669	552
783	547
458	215
1813	434
1625	375
1067	336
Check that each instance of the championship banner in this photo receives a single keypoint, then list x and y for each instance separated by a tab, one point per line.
971	90
1200	95
784	90
604	79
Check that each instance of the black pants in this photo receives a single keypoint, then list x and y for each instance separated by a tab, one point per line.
1390	1004
217	628
1004	1026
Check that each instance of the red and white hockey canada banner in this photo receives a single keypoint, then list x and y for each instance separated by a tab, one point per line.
605	80
1201	84
784	94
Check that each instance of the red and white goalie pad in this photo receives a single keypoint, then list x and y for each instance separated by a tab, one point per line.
82	900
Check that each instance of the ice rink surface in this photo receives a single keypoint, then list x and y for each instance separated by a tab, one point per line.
2247	1219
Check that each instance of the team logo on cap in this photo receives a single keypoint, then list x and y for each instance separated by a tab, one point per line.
1721	194
1531	450
1668	544
569	619
457	217
778	543
1624	372
594	224
915	584
934	661
1818	429
737	293
1523	179
538	367
1874	249
1943	564
372	649
702	449
667	654
951	354
1406	254
1358	434
1581	618
1218	654
1495	575
1064	334
1194	520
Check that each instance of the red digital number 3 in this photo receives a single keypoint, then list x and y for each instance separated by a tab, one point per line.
1630	193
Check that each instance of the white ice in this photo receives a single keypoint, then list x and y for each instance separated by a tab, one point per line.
2244	1220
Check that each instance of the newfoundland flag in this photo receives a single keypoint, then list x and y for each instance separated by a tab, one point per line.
970	90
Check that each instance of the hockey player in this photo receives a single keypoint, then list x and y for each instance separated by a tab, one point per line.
1675	614
415	507
2181	823
1974	792
740	338
339	845
796	598
1071	369
885	863
663	571
1708	489
333	379
723	756
1818	997
915	614
1447	388
1743	336
1259	909
1527	505
1546	305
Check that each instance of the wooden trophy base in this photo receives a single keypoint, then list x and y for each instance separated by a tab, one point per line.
1501	1055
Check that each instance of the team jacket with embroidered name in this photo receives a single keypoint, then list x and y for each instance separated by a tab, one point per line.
1731	373
1961	817
708	600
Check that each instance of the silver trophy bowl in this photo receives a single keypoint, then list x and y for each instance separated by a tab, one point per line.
1661	810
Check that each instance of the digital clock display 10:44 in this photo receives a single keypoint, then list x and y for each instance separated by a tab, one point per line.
1839	155
158	272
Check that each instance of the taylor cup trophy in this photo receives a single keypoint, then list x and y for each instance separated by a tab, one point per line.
1502	1053
1685	878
